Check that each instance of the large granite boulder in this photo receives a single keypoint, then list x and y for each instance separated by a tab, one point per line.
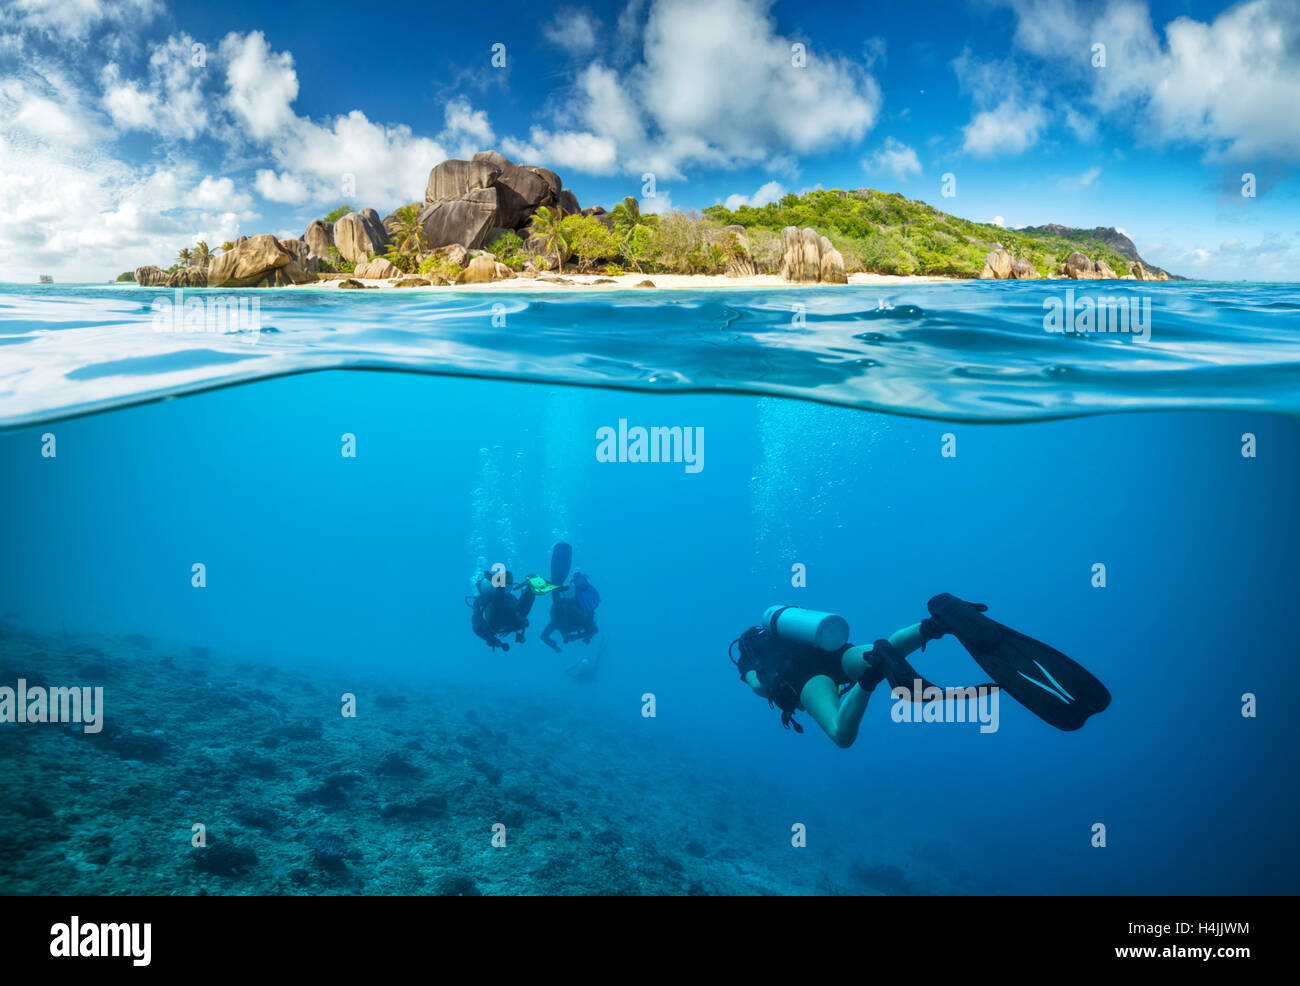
832	263
360	235
188	277
568	203
548	176
466	220
1078	267
807	257
520	191
150	276
997	265
452	179
1103	269
481	269
308	259
452	253
390	221
250	262
319	237
380	267
1022	269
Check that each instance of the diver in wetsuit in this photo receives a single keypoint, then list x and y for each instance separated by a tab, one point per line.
800	659
496	611
573	613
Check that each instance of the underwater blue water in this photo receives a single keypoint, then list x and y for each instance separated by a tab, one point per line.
320	564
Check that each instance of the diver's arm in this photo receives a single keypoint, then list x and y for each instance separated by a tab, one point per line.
751	679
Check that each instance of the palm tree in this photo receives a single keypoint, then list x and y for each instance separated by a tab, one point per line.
227	246
184	257
626	219
408	235
202	256
546	226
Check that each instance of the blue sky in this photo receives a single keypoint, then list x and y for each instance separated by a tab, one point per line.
121	141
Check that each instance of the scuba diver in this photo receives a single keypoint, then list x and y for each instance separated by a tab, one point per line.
573	614
496	611
800	659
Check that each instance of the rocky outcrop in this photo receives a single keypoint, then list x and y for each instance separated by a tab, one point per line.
188	277
807	257
360	235
1141	272
1078	267
453	253
568	202
832	263
466	220
1103	269
380	267
150	276
452	179
997	265
319	238
310	261
413	282
258	261
1022	269
481	269
521	191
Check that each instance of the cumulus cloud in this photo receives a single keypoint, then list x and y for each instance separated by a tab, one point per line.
715	85
219	195
894	158
1008	128
76	19
467	130
1231	84
261	84
766	194
171	103
565	149
280	188
573	29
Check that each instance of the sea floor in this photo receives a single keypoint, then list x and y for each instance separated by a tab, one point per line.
295	798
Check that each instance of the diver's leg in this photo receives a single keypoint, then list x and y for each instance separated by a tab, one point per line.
840	720
546	638
904	642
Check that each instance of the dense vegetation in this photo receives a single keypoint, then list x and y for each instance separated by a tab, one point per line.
888	234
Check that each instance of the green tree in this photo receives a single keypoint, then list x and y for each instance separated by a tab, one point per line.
546	226
201	255
408	241
184	257
227	246
339	213
588	239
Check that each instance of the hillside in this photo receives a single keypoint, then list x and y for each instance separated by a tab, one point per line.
886	233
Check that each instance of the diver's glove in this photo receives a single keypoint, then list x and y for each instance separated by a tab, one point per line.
932	628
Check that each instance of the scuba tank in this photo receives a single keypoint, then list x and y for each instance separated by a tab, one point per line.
809	627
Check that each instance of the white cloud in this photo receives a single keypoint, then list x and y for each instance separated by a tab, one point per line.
1231	85
280	188
653	205
261	85
219	195
766	194
715	85
1008	128
172	103
999	221
467	130
574	30
76	19
1079	182
894	158
565	149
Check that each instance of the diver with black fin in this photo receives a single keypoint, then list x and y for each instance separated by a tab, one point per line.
800	659
496	611
573	608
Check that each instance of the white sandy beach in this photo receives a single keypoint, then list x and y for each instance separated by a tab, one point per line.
625	281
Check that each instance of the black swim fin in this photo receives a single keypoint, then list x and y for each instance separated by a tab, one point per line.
561	559
1050	685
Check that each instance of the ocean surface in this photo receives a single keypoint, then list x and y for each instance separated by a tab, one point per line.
889	443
